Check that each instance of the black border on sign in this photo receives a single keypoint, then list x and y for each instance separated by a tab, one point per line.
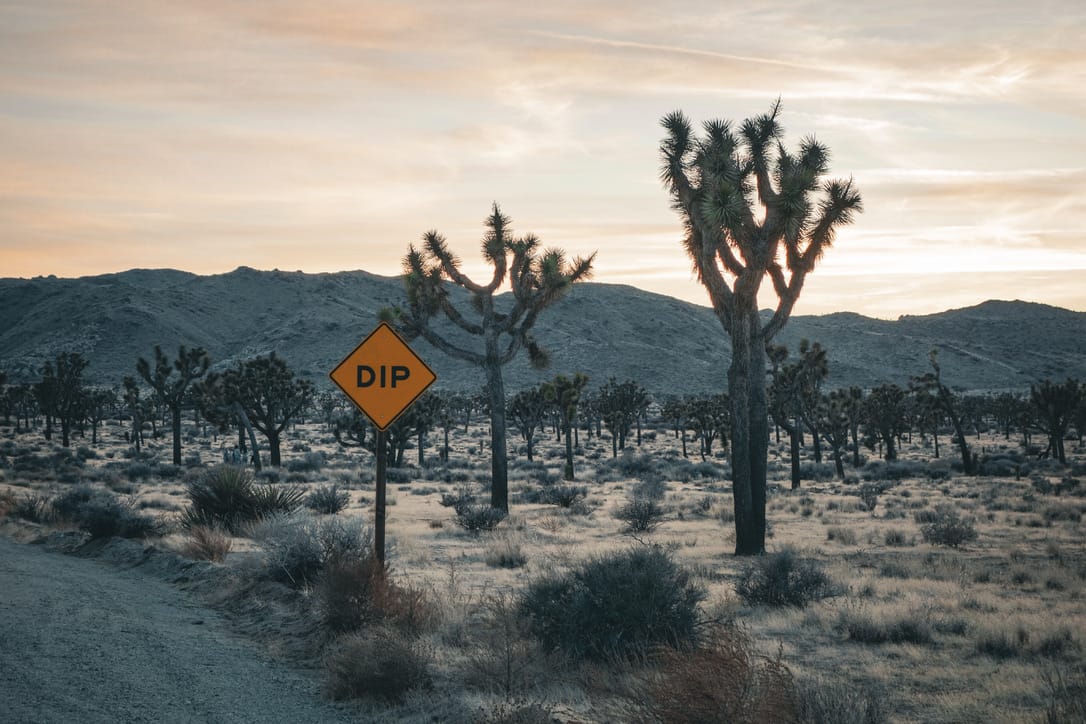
413	353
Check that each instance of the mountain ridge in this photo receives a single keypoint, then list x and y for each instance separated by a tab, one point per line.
666	344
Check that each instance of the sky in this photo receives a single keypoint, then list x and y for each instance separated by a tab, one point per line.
323	136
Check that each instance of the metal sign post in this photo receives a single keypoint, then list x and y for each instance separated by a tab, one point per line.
382	377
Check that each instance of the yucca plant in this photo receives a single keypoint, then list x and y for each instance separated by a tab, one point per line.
227	497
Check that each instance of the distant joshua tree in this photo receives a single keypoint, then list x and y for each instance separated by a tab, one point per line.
537	278
527	410
796	394
270	396
61	395
565	394
1054	404
751	210
931	387
171	380
884	411
620	404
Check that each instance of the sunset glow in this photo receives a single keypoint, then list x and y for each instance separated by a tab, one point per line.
328	136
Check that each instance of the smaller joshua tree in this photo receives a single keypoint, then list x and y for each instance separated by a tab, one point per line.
537	279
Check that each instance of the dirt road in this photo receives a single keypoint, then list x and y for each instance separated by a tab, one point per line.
81	641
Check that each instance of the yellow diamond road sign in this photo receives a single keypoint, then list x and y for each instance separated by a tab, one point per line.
383	376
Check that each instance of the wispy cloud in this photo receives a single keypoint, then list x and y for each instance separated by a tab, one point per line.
203	134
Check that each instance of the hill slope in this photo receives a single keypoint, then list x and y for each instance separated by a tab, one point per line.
669	346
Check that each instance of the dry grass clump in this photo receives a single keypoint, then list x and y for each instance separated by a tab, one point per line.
31	506
207	543
505	552
378	664
723	680
823	701
867	629
518	712
503	657
1067	695
7	503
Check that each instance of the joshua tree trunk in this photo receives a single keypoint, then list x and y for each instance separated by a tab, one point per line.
176	421
499	465
750	431
248	426
273	447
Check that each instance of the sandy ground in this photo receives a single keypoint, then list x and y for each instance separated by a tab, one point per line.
89	642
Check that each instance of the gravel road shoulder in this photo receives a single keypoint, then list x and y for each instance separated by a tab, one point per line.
84	641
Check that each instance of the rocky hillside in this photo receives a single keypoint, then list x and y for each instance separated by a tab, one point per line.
669	346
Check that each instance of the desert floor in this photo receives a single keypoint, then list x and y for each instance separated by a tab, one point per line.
989	631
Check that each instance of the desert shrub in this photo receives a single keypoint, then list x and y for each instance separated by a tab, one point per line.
139	471
100	513
632	464
328	500
896	538
866	629
460	499
831	702
894	470
298	547
1056	643
1066	513
311	462
207	544
722	681
653	487
947	528
640	515
821	472
869	494
783	579
618	604
32	507
227	496
357	592
476	517
399	475
564	496
377	664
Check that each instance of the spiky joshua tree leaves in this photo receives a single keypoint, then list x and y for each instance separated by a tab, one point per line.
720	184
537	279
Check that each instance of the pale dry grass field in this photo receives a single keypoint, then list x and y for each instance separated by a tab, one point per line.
981	632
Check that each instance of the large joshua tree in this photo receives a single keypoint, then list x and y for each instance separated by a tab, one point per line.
537	279
751	210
